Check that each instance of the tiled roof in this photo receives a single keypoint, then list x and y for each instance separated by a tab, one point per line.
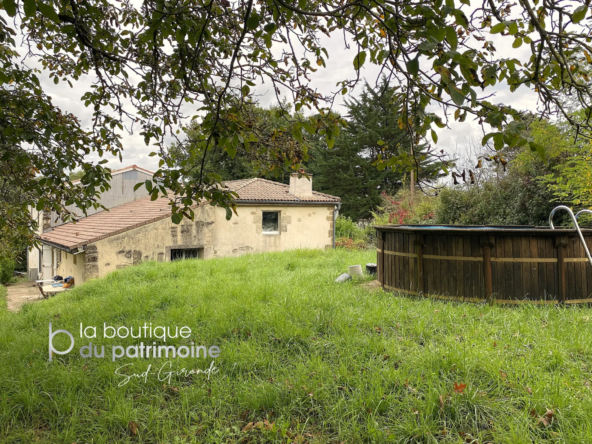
254	190
108	223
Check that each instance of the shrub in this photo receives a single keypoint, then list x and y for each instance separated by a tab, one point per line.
347	228
514	200
6	270
350	244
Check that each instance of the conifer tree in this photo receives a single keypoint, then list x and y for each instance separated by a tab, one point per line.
359	168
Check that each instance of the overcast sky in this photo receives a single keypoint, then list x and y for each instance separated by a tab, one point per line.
339	67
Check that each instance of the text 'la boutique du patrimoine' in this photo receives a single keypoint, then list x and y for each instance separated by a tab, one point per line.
141	350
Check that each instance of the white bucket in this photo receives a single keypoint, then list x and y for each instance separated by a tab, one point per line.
354	270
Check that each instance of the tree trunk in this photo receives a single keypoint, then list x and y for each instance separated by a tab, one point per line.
412	186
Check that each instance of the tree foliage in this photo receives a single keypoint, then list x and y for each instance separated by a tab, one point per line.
372	154
38	144
160	62
271	156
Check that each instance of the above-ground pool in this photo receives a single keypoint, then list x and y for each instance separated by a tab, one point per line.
476	263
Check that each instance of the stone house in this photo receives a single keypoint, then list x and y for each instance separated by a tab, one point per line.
271	217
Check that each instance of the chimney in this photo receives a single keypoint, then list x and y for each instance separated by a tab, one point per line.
300	187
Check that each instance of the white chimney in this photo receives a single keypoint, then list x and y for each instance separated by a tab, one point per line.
300	187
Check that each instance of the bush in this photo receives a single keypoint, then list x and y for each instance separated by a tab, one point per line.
347	228
400	209
6	270
350	244
514	200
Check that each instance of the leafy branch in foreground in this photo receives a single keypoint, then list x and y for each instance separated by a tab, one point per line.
160	63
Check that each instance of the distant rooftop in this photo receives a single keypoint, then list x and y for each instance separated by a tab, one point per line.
124	170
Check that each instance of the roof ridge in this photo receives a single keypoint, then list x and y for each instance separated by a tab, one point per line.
247	182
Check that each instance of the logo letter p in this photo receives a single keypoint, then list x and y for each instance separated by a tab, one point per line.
53	350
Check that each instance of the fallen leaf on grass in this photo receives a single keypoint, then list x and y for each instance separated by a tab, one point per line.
248	427
441	402
529	390
459	388
133	427
546	419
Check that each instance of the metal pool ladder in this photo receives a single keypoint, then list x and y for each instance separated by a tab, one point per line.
574	218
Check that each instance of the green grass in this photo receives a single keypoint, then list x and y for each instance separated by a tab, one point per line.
3	293
318	362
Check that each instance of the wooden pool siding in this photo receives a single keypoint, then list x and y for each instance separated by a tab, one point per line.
472	264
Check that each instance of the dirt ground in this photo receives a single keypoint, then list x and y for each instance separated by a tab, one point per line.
21	293
373	285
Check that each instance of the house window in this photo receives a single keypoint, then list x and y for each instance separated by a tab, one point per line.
186	253
271	222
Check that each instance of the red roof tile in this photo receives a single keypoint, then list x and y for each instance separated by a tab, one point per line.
108	223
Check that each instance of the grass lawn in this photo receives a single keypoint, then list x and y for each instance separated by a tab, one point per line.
302	360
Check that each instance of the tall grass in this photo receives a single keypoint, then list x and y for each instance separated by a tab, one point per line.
302	360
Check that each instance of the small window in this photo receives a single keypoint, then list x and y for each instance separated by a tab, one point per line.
271	222
186	253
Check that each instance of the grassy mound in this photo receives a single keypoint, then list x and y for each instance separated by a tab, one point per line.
302	360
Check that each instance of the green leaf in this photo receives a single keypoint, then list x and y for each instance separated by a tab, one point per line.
297	133
498	28
452	37
149	185
138	185
513	28
579	14
517	43
457	96
253	22
231	150
540	150
498	141
30	7
270	28
359	60
434	136
9	7
427	46
487	137
48	12
413	66
178	217
380	142
330	143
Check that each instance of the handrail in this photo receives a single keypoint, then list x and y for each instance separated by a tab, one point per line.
579	213
575	222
